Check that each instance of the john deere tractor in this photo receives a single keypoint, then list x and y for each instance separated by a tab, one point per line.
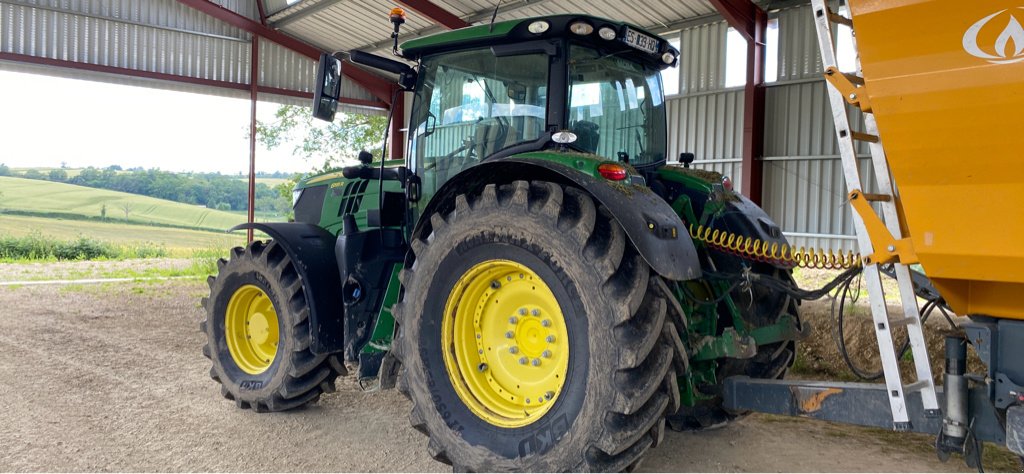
529	278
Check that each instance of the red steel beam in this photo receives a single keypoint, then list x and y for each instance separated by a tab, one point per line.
741	15
397	145
378	86
435	13
752	167
23	58
752	22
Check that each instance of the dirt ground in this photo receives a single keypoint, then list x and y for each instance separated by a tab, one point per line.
109	377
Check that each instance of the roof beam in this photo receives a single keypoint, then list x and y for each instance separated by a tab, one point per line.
380	88
741	15
121	71
435	13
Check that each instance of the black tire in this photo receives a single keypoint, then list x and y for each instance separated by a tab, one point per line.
621	380
759	307
296	377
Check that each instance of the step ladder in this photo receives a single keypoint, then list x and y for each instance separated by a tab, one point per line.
839	99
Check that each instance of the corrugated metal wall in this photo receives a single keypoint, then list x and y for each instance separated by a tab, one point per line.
804	189
160	36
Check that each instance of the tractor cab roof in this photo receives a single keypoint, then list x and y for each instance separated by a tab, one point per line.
627	39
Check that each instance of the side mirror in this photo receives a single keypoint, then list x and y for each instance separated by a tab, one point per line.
328	88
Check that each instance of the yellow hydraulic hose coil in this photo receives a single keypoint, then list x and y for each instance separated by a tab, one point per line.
755	249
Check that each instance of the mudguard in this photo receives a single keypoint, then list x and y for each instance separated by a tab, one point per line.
740	215
653	228
311	248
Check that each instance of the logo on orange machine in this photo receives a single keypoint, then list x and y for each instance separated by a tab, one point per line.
985	40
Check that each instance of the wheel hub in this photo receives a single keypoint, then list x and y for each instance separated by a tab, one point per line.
251	329
506	343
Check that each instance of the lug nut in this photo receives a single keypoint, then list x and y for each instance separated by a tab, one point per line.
546	354
482	367
527	400
549	395
535	312
495	284
536	362
546	323
550	339
513	320
513	350
510	335
522	311
522	360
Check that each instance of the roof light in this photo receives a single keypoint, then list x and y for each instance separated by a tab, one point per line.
727	183
607	33
563	137
668	58
538	27
397	14
581	28
613	171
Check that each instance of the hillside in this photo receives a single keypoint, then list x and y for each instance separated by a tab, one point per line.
59	199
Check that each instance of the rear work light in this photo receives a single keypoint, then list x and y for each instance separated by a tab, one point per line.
613	171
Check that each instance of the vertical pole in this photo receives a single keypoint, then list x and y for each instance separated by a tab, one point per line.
397	145
754	111
253	89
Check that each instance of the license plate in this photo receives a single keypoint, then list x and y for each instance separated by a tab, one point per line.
641	41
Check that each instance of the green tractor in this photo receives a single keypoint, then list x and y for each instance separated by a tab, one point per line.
528	277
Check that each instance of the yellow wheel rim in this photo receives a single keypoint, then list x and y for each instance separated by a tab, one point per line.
505	343
250	328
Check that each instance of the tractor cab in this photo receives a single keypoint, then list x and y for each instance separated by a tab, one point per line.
520	86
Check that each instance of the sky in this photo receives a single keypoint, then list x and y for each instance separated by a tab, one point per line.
45	121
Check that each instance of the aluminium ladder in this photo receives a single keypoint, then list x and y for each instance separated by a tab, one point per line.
824	18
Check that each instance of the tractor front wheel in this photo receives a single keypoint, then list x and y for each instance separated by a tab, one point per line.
532	335
257	332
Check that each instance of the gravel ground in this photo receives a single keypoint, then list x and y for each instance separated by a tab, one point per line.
109	377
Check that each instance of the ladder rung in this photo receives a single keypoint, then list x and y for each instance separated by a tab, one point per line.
876	197
842	20
864	137
902	322
915	386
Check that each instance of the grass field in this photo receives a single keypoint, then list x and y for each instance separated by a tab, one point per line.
44	197
179	242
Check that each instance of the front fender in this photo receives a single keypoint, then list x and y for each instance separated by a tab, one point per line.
311	249
650	223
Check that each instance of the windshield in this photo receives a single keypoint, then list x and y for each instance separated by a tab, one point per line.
472	104
616	107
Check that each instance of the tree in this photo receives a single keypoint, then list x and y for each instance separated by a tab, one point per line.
127	207
5	170
58	175
34	174
329	144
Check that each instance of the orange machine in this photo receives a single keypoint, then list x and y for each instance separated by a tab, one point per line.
944	80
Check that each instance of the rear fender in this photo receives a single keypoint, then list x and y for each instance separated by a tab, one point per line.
652	226
311	249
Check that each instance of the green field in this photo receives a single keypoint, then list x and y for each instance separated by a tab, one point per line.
179	242
45	197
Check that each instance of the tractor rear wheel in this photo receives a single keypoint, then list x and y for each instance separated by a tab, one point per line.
758	307
532	335
257	332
